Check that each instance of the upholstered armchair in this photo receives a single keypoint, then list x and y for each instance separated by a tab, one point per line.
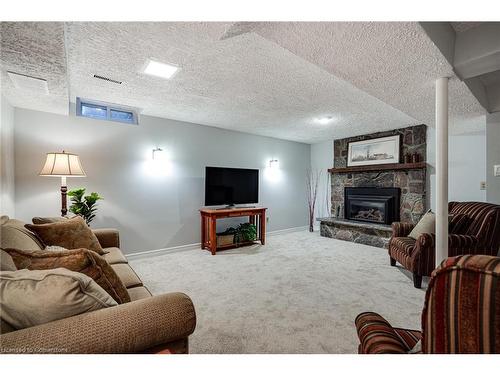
479	234
460	314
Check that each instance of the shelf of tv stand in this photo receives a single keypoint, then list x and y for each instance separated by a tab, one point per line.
238	244
380	168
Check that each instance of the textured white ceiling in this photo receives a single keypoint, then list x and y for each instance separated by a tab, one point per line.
245	83
393	61
270	79
35	49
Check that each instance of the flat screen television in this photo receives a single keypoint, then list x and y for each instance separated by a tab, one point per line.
230	186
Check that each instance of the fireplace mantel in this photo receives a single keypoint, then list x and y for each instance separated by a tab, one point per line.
380	168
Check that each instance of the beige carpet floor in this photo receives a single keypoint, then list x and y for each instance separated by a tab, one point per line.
299	293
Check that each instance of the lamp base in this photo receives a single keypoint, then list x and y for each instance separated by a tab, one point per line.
64	205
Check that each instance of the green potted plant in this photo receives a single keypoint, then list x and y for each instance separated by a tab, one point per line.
246	232
84	205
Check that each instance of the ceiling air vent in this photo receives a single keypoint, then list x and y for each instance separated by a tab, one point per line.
25	82
107	79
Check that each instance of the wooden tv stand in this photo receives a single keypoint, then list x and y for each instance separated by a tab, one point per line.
209	218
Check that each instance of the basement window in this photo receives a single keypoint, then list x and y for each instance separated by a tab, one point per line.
105	111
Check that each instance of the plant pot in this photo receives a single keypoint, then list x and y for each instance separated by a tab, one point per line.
225	239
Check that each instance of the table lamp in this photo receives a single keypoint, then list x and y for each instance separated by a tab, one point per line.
62	164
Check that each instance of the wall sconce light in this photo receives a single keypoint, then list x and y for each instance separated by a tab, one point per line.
155	150
158	163
274	164
272	173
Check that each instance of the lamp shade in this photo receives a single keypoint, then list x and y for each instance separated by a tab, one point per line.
62	164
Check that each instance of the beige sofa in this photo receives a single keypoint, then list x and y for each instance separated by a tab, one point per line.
147	324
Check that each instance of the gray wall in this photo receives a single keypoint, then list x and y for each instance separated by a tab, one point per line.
493	156
153	208
467	167
6	158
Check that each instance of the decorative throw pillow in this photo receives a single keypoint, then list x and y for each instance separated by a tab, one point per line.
13	234
29	298
6	262
457	224
427	224
78	260
49	220
72	234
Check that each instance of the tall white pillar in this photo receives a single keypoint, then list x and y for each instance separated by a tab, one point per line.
441	169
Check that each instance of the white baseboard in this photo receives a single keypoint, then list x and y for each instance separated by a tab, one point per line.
176	249
288	230
166	250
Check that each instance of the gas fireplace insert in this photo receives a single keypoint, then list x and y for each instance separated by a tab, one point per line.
372	204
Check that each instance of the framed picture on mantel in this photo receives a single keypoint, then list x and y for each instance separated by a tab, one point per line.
383	150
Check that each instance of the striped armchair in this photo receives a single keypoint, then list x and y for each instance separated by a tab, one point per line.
478	233
461	313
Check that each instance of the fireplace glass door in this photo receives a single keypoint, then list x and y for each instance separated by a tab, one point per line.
372	204
368	209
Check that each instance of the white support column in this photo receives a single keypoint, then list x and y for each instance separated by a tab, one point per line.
441	169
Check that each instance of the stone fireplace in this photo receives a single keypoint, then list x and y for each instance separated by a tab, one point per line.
366	201
372	204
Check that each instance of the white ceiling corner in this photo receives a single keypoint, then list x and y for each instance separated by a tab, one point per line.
461	27
239	28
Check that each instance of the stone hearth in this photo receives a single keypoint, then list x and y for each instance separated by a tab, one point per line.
377	235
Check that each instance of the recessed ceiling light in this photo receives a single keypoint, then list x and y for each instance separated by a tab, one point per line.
158	69
324	120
